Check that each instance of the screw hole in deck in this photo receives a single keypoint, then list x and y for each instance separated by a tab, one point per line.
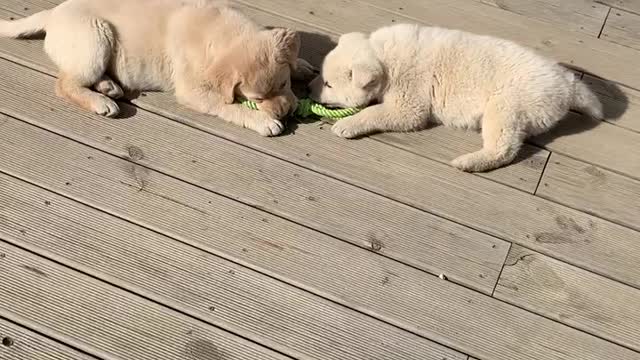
7	341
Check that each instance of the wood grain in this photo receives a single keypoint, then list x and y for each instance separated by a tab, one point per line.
220	292
444	191
629	5
398	174
105	321
22	343
593	190
442	311
572	296
622	28
575	15
330	206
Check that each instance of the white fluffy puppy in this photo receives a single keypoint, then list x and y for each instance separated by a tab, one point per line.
411	75
203	50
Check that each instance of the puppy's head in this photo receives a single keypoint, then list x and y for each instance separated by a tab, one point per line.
259	68
351	74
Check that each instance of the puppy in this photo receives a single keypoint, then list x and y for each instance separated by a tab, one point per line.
411	76
206	52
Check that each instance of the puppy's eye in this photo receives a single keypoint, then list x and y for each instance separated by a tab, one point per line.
326	84
283	85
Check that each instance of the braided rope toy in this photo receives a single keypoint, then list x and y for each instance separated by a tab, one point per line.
307	108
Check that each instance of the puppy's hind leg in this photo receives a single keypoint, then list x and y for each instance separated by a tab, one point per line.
502	135
81	47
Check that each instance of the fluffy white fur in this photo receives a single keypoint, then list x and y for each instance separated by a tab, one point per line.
412	75
203	50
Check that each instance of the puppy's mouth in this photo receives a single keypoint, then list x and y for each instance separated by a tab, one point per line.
343	106
333	105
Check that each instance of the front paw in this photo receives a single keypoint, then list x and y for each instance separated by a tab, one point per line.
268	127
346	130
304	71
104	106
279	106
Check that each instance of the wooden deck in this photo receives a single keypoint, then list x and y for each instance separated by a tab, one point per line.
172	235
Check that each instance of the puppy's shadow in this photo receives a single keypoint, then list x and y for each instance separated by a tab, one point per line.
614	105
314	47
127	110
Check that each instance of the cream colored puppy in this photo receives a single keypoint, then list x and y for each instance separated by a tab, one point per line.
203	50
412	75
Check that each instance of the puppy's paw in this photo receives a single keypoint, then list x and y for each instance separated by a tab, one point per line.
106	107
278	107
344	129
109	88
304	71
269	127
475	162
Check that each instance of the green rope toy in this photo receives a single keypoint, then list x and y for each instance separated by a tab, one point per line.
307	108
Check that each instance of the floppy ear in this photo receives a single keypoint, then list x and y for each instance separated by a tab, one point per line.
287	44
223	78
366	74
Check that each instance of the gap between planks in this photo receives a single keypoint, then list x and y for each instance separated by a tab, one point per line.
26	344
291	146
42	295
569	295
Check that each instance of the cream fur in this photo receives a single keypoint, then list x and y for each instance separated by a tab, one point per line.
203	50
412	75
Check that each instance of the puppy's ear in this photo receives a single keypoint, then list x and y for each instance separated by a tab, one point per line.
287	43
366	74
223	78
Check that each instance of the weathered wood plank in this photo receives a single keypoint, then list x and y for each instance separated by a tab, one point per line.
605	59
593	190
444	147
575	15
572	296
621	103
444	191
423	183
628	5
282	147
341	210
386	289
104	321
622	28
19	343
596	142
205	286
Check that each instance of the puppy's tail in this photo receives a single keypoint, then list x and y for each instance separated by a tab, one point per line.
585	100
25	27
